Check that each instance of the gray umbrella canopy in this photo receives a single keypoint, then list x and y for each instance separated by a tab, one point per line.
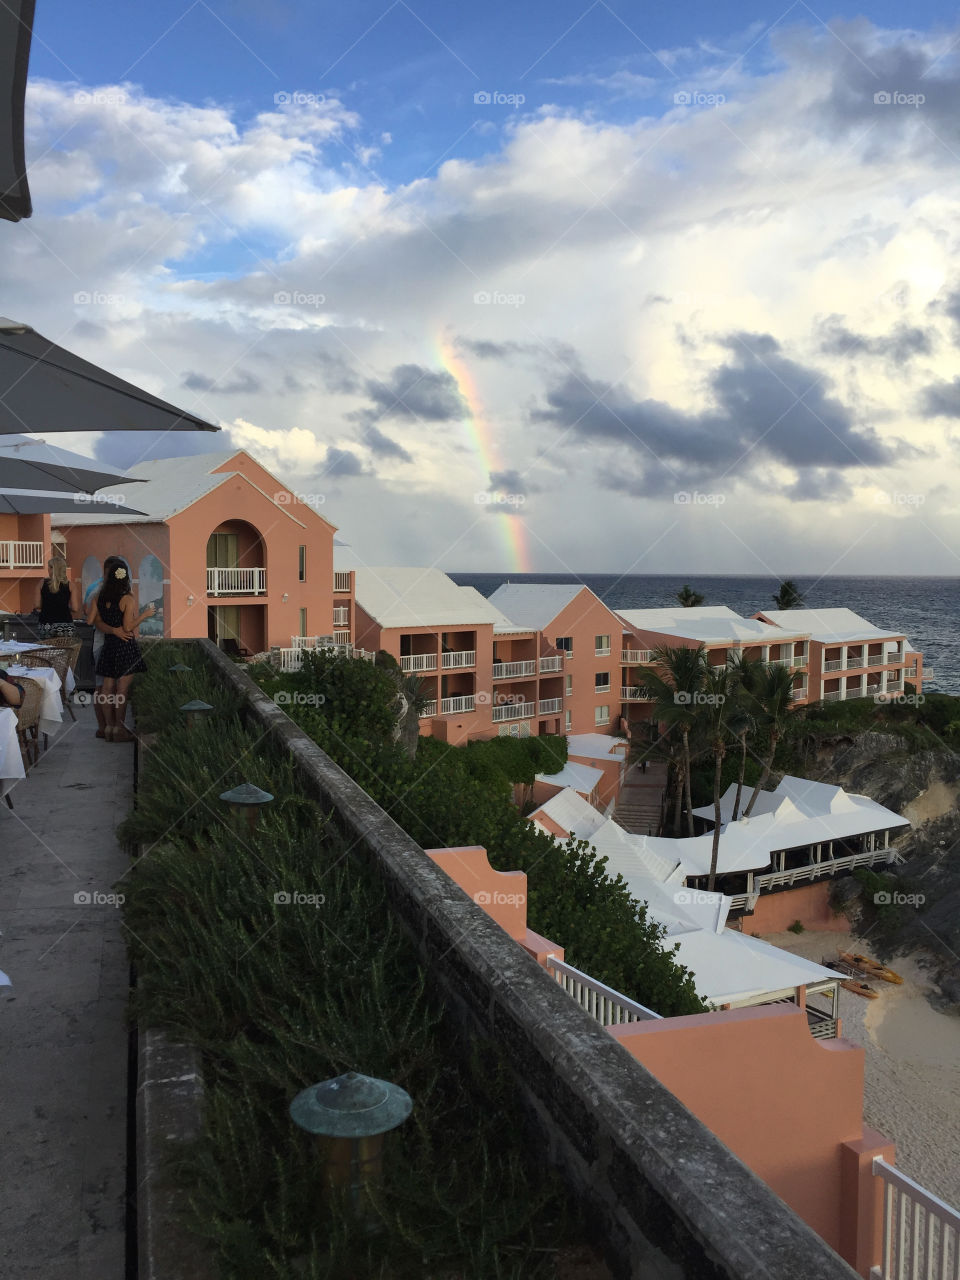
16	29
45	388
30	502
34	464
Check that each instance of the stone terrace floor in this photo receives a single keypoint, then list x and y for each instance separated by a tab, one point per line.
63	1037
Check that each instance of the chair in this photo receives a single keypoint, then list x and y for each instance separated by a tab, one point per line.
28	720
71	646
59	660
234	649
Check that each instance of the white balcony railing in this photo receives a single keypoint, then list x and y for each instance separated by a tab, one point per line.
341	637
551	664
21	555
893	686
292	659
878	659
549	705
236	582
921	1233
514	711
459	658
341	582
510	670
634	695
609	1007
910	673
786	662
603	652
429	709
451	706
602	688
833	664
798	695
418	662
636	657
341	617
833	695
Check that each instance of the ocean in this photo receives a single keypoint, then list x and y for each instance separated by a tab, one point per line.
925	609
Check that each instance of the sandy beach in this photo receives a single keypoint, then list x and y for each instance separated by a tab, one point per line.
912	1064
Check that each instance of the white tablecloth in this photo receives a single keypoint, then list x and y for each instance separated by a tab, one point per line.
11	762
51	707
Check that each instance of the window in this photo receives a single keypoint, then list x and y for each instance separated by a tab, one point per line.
565	645
303	564
601	646
303	622
601	681
568	690
568	720
601	715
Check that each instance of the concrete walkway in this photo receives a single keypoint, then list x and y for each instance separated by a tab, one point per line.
63	1039
638	804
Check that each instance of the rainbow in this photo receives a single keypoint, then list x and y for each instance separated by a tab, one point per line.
480	437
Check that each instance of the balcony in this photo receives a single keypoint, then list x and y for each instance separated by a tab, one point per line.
636	657
602	653
602	688
341	581
910	673
798	695
634	695
21	555
854	661
551	664
341	617
549	705
459	658
514	711
418	662
236	582
833	664
451	706
893	686
511	670
878	660
341	637
429	709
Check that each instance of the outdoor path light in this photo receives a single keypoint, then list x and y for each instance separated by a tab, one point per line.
179	668
248	800
195	708
350	1114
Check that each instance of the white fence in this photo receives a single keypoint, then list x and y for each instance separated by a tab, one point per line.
551	663
341	582
514	711
459	658
236	582
635	657
921	1234
510	670
21	555
292	659
549	705
452	706
609	1007
418	662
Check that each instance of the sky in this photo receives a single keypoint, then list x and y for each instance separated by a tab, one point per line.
553	287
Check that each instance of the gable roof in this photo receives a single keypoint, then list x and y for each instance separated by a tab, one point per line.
534	605
412	597
828	625
708	624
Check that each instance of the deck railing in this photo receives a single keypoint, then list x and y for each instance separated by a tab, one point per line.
451	706
429	709
341	581
636	657
921	1233
549	705
634	695
341	617
811	870
514	711
21	555
292	659
418	662
551	663
833	664
510	670
459	658
236	582
609	1007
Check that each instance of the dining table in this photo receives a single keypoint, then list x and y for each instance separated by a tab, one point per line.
51	704
11	760
11	649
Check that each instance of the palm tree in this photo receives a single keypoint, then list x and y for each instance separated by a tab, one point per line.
411	700
741	719
788	595
689	598
675	683
717	705
773	700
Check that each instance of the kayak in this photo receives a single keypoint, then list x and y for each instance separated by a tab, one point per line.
859	989
872	968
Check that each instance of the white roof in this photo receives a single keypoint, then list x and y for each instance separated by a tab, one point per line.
596	746
571	812
534	605
170	485
710	624
413	597
578	777
502	625
830	626
732	968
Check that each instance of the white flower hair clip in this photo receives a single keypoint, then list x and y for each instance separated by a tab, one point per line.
120	573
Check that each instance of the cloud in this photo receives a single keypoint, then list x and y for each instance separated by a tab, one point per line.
511	482
414	392
941	400
244	384
900	345
383	446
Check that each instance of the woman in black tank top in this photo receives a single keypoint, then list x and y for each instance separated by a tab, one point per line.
57	599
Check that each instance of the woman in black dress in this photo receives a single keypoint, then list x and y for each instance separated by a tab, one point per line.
58	600
120	659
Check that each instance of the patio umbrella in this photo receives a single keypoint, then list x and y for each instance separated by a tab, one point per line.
44	387
34	464
16	29
30	502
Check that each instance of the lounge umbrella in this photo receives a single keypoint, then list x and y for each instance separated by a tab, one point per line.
34	464
16	29
30	502
44	387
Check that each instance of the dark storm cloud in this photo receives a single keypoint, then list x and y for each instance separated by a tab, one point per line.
766	407
819	485
511	482
383	446
341	462
124	449
941	400
243	384
412	392
900	345
947	303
